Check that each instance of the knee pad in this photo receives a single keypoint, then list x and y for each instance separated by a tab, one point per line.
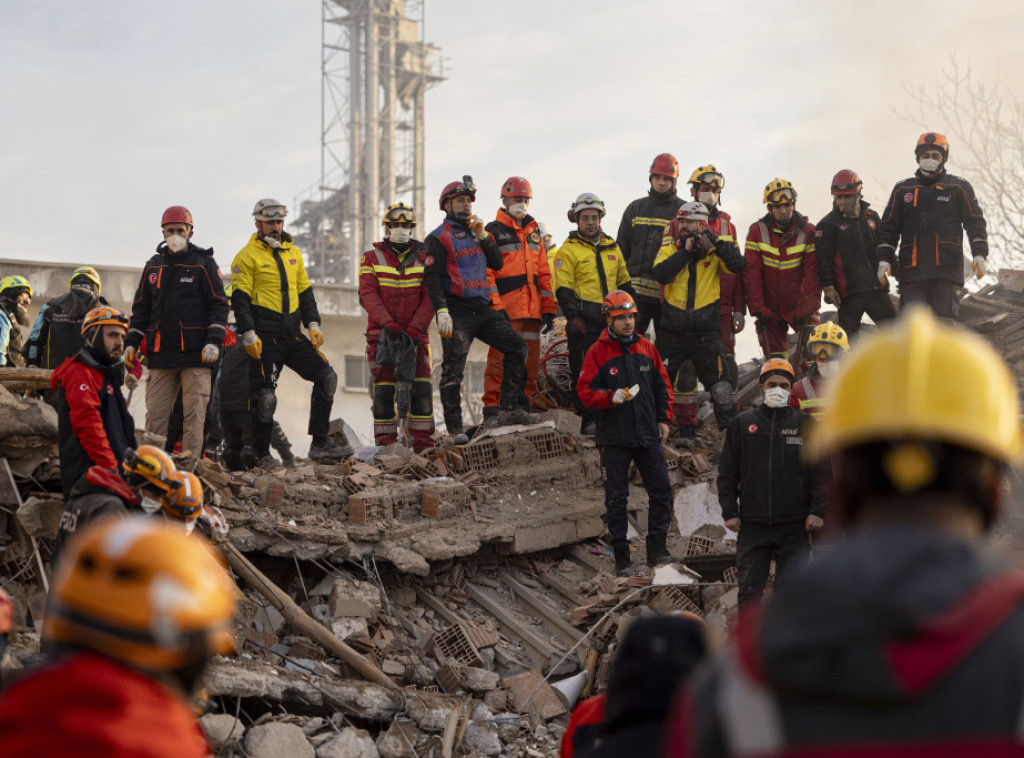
422	399
327	380
383	405
721	392
686	379
266	404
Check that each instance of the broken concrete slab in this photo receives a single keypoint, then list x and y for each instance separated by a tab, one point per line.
275	739
221	729
350	743
350	626
695	506
40	517
399	740
351	597
545	703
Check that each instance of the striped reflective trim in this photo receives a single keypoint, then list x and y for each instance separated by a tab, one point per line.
530	336
782	265
645	221
508	248
751	718
547	293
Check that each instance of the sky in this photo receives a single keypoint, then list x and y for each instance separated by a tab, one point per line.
114	110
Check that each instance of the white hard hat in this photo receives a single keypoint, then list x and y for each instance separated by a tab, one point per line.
269	209
588	201
693	211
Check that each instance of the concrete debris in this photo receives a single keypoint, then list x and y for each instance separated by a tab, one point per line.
221	729
350	743
40	517
399	740
277	739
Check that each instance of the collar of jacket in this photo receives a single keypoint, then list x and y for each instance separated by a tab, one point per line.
88	356
607	336
166	251
512	222
773	413
603	240
286	242
934	178
664	197
799	222
452	221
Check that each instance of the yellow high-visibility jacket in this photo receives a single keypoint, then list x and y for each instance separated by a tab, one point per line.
271	292
585	273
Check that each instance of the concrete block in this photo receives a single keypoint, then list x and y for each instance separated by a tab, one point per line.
565	422
273	495
353	626
546	704
480	680
351	743
40	517
221	729
496	700
695	506
351	597
273	740
481	739
399	740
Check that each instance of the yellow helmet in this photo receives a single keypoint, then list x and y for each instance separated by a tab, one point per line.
708	175
86	275
779	191
15	282
827	340
921	379
139	590
399	213
149	464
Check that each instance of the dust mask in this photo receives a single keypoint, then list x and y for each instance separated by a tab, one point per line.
272	242
710	199
929	165
517	210
400	236
828	368
149	505
776	397
177	243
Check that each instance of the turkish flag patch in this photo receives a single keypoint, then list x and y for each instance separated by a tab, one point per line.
909	197
752	429
429	260
613	371
152	278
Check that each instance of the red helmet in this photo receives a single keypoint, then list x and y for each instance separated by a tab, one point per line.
177	214
665	165
465	187
618	303
846	182
516	186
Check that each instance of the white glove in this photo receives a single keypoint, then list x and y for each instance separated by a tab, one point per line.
980	265
444	324
210	354
625	394
883	271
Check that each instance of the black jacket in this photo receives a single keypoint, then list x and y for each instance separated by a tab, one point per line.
847	251
925	221
233	386
57	332
179	307
640	231
761	476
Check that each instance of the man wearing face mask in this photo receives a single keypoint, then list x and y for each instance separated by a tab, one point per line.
765	491
924	223
459	253
15	297
826	347
181	311
522	289
781	278
845	242
640	231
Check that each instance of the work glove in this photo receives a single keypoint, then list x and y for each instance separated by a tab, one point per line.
884	270
549	322
476	225
576	329
980	265
504	315
832	296
252	344
765	315
315	335
625	394
738	322
393	328
132	358
210	354
445	327
130	380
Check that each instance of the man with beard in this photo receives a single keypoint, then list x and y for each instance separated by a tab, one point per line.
15	297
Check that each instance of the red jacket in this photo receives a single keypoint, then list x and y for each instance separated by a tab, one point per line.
392	290
808	394
731	285
781	277
581	731
91	707
523	286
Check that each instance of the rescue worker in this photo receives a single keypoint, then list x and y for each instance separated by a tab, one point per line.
57	331
135	612
522	289
766	492
459	253
624	382
272	299
640	232
181	311
706	185
94	425
550	247
846	243
182	503
924	222
690	336
781	279
825	348
588	267
907	637
398	311
15	298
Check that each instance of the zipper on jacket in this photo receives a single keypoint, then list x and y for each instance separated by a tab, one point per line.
771	457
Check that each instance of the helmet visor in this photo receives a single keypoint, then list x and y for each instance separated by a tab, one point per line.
823	350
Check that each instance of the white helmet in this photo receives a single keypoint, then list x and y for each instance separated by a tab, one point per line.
588	201
543	229
269	209
693	211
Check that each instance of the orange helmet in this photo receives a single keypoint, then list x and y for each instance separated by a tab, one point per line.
618	303
776	366
516	186
140	591
148	463
176	214
932	141
104	314
183	500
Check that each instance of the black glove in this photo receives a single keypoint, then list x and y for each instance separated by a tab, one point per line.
575	329
504	315
549	322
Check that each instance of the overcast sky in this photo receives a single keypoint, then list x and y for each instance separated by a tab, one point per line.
114	110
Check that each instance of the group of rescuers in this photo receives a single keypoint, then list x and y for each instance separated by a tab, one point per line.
901	640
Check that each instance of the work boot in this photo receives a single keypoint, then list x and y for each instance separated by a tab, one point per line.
491	415
623	566
268	461
287	457
513	416
657	550
329	450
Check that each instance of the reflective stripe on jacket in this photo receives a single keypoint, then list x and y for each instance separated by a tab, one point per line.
523	286
731	285
806	396
639	238
271	292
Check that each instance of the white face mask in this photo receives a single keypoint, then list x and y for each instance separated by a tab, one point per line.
827	368
776	397
929	165
272	242
710	199
399	235
177	243
517	210
149	505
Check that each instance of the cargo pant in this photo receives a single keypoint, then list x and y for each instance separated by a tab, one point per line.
194	383
529	330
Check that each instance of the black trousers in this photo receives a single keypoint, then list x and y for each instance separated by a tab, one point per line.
578	348
648	311
788	543
491	328
875	303
298	354
650	461
938	294
689	357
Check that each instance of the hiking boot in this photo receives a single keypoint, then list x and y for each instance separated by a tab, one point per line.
657	550
268	461
491	416
623	566
516	416
328	450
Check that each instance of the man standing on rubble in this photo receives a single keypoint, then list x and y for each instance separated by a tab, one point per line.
399	313
522	289
57	332
459	253
15	298
846	243
624	382
924	223
273	299
766	492
907	637
639	238
588	267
